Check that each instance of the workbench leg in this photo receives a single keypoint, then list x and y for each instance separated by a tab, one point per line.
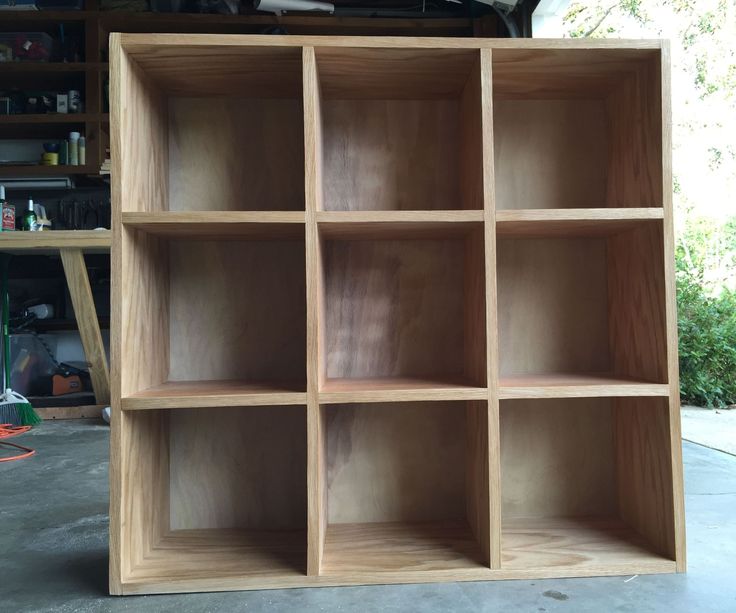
86	316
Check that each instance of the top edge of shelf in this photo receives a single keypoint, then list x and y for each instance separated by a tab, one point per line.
573	222
576	385
88	240
399	389
218	223
206	394
449	216
404	42
399	224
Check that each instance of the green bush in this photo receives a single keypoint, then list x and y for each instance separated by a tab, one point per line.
707	331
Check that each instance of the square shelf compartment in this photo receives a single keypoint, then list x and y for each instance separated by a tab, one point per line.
404	315
596	495
392	505
577	128
224	130
583	310
218	492
400	128
213	321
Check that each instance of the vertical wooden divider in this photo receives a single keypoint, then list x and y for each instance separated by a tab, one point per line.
117	422
316	434
489	207
673	372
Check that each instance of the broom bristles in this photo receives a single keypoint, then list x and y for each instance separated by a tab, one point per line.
9	414
15	409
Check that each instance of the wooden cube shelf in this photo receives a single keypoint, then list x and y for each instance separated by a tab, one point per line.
595	497
219	490
392	507
391	310
404	315
227	319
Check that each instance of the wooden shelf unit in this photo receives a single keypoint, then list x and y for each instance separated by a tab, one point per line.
366	333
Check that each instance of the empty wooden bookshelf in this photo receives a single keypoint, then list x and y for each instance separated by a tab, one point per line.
391	310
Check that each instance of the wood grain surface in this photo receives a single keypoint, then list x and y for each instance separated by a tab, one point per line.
235	154
452	258
237	311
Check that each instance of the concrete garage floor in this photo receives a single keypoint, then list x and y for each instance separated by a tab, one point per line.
53	549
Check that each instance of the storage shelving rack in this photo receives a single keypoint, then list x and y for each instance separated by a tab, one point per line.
391	310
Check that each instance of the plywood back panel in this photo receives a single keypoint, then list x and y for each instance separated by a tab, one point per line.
390	462
391	154
237	310
394	74
550	153
223	70
644	469
636	290
394	308
242	467
236	154
523	73
552	305
557	458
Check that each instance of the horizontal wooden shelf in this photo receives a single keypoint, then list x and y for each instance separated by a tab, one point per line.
51	240
38	170
400	224
184	554
398	389
572	222
50	67
52	118
219	223
398	547
577	547
573	385
204	394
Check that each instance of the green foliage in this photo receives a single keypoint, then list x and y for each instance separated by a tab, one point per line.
707	330
706	261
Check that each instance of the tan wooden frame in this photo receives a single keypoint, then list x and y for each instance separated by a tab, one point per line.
623	236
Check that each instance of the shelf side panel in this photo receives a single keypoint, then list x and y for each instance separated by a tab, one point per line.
145	485
139	115
644	469
316	426
663	76
635	144
636	304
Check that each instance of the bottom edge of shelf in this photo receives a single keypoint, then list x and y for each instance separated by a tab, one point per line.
172	585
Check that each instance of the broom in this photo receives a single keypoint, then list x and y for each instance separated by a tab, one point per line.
14	408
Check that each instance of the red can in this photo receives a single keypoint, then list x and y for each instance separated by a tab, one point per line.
8	217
